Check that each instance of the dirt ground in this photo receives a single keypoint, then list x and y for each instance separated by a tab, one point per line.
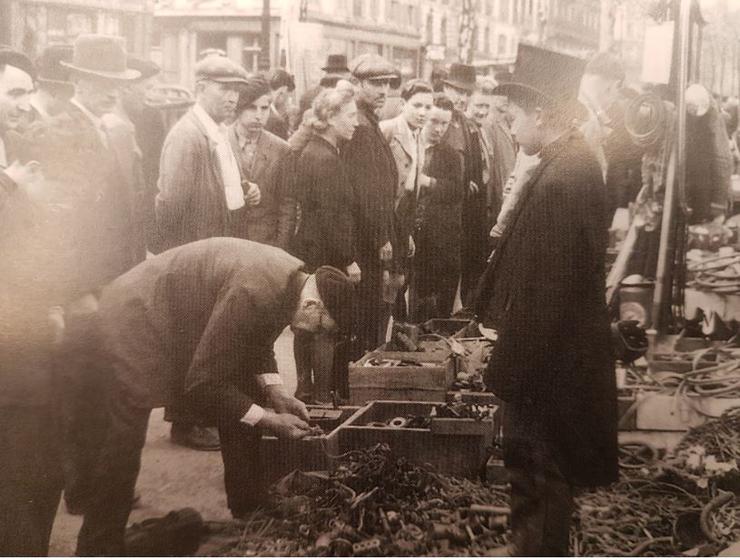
174	477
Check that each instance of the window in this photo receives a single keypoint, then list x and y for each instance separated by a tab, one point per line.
430	28
411	16
487	41
501	47
443	32
503	10
489	7
357	8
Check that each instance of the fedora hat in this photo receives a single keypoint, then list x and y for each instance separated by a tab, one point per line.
461	76
546	75
336	64
49	67
101	56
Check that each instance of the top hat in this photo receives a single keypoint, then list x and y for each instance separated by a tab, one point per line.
552	77
17	59
336	64
461	76
101	56
48	64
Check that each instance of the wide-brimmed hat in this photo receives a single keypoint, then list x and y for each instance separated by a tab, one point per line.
461	76
17	59
370	66
336	63
49	67
101	56
545	75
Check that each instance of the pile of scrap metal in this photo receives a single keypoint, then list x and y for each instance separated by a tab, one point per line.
715	272
682	504
454	410
375	504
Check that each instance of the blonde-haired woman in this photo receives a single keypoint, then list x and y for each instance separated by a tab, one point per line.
325	232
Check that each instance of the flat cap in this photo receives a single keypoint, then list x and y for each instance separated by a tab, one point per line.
371	66
17	59
220	69
337	294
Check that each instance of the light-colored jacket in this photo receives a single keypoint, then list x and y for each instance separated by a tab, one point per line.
405	151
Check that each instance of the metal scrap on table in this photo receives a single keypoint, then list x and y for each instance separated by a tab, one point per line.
458	410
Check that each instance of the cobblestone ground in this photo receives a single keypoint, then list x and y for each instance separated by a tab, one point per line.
174	477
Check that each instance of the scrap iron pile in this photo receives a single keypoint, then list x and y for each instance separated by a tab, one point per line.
376	504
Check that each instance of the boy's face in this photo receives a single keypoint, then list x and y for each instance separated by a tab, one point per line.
526	129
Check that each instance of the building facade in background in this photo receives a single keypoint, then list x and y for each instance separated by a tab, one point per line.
31	25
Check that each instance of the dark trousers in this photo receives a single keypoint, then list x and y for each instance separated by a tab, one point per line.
183	414
541	497
244	478
372	313
436	286
314	354
30	479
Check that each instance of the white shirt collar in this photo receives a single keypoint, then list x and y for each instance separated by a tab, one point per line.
96	121
212	128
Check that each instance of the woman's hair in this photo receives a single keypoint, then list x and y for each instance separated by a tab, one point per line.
327	104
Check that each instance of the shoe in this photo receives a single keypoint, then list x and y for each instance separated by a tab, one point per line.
176	534
195	437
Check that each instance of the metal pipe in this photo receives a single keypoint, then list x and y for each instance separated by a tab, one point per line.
664	273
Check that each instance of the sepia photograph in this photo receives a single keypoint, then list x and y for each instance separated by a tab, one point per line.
366	278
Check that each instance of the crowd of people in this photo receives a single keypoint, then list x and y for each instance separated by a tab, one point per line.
146	267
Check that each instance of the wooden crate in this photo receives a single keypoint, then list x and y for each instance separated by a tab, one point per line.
445	327
452	446
427	382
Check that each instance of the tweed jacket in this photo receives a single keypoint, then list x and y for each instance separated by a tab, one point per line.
191	203
544	290
199	321
273	220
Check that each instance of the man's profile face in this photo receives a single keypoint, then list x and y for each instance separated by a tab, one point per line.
480	107
98	96
458	96
218	99
254	117
525	128
375	91
16	87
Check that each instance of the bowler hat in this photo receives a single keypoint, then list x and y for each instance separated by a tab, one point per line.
337	294
220	69
549	76
370	66
461	76
49	66
336	63
101	56
17	59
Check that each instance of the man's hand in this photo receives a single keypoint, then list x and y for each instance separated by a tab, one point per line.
386	252
253	196
412	247
284	426
283	402
424	181
473	187
354	273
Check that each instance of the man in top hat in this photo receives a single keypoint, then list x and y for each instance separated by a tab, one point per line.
543	291
373	177
282	85
198	323
464	137
335	69
30	469
201	193
266	161
53	86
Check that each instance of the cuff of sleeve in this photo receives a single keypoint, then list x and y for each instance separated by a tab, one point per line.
253	415
267	379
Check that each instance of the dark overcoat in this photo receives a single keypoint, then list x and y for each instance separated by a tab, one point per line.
544	291
325	235
272	221
199	321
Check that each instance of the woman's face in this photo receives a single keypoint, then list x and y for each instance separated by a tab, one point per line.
345	121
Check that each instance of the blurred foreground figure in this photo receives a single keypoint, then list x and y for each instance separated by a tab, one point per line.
544	292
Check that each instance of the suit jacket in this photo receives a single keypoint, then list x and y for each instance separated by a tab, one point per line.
272	221
191	203
326	231
405	150
277	125
502	156
544	290
373	176
199	321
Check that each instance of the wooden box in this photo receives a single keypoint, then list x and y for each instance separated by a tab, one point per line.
427	381
451	446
